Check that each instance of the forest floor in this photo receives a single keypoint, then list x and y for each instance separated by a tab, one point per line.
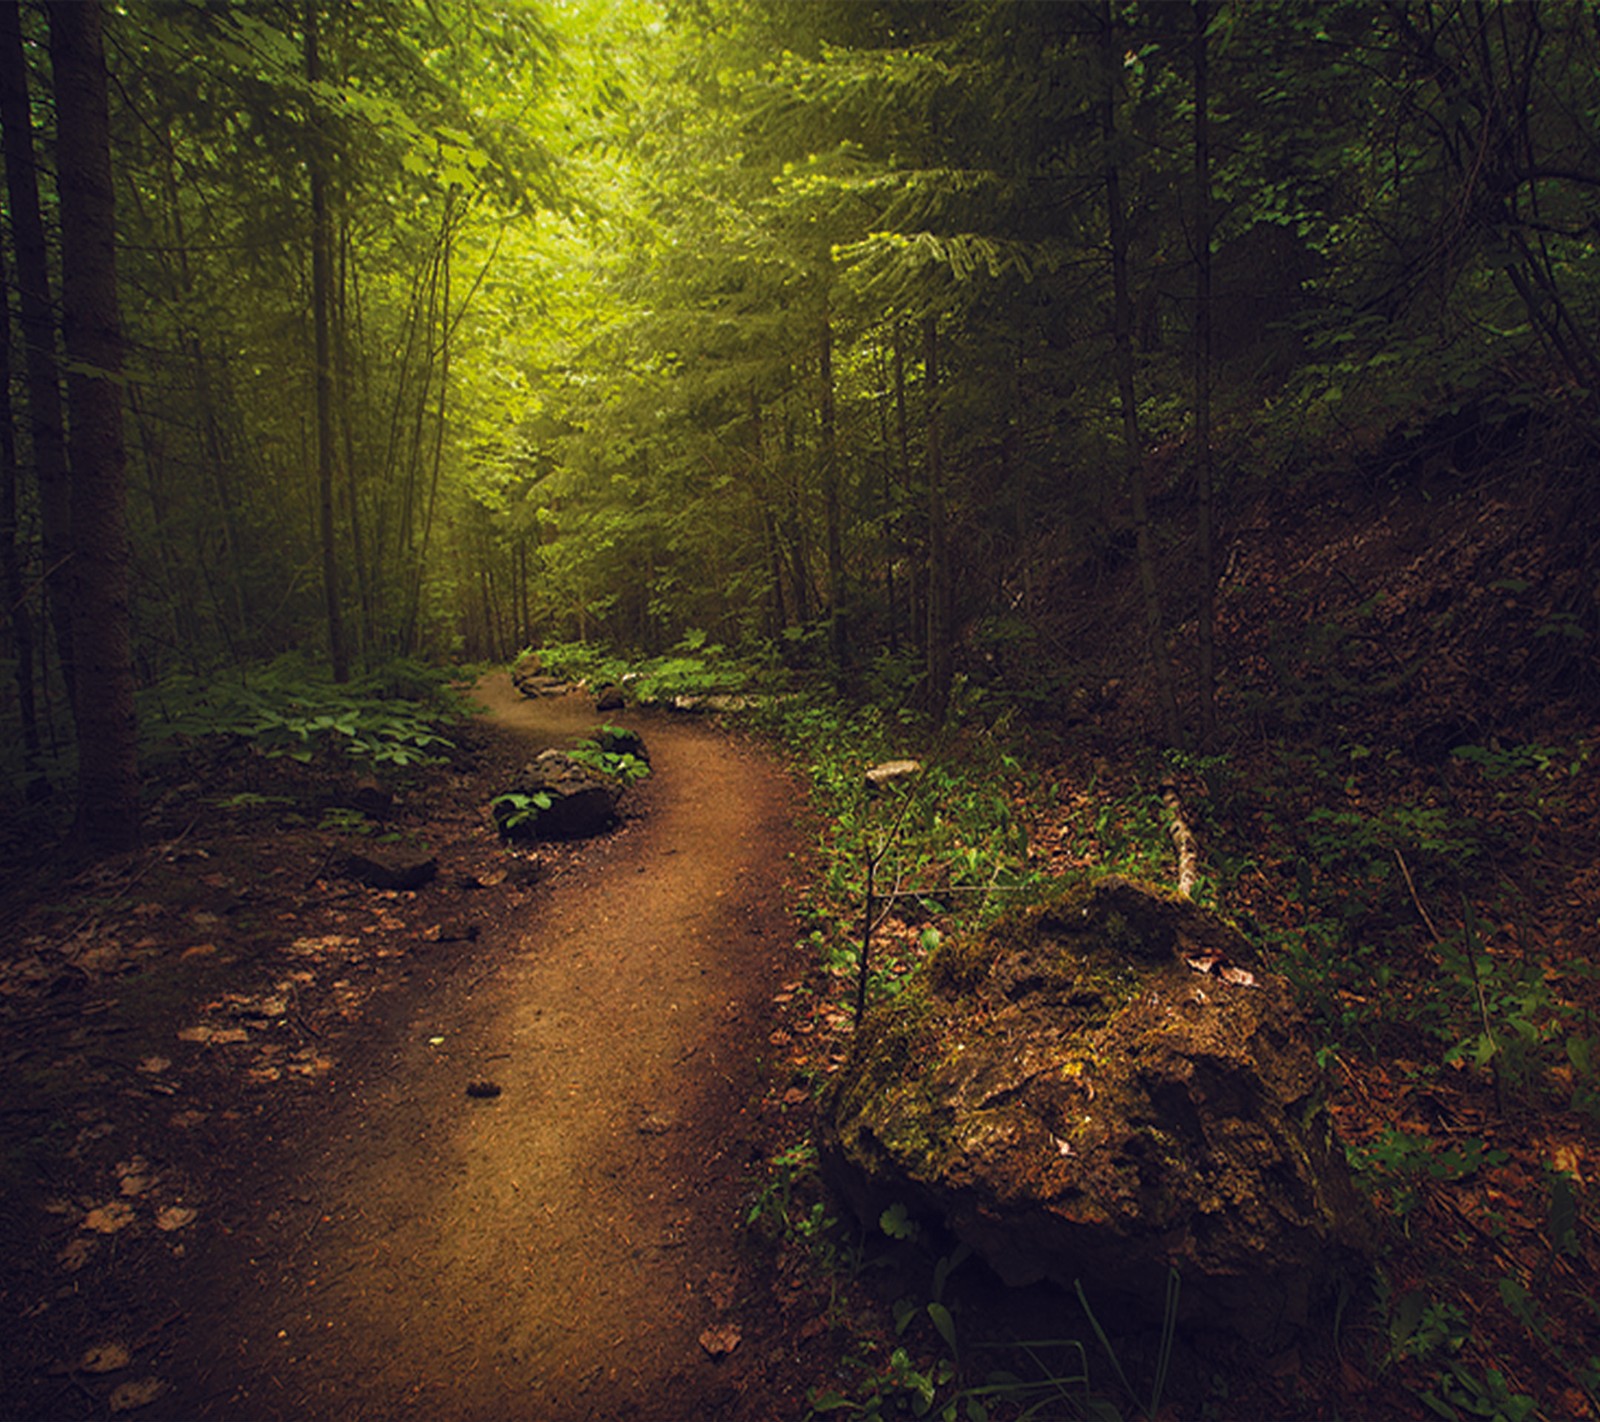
245	1177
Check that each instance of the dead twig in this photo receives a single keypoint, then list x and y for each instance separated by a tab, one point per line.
1471	948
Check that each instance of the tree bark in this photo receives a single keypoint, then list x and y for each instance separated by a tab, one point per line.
321	302
108	780
941	611
11	585
1133	453
1202	379
832	516
47	428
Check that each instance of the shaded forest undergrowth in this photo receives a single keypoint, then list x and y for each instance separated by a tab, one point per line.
1402	818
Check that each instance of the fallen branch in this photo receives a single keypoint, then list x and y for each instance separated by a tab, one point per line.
1183	840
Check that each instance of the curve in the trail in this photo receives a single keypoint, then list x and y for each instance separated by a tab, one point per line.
555	1252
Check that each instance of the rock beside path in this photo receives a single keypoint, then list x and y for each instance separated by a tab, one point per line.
556	798
1102	1089
391	868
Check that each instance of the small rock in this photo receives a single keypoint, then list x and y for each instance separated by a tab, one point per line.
892	770
391	868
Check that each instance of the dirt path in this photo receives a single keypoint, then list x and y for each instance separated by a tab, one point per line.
555	1252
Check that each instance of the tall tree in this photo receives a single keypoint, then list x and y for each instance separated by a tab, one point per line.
19	614
1202	374
1132	438
36	314
322	354
108	780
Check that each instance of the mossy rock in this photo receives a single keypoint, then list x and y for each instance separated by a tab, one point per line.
1105	1088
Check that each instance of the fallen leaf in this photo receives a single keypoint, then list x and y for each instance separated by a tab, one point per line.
104	1358
133	1185
175	1217
76	1254
133	1395
109	1218
1238	977
720	1340
154	1065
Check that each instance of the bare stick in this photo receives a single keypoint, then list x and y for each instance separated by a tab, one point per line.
1183	840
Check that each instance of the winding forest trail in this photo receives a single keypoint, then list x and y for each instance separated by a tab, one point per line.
556	1252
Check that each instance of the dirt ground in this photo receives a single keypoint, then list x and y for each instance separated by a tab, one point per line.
308	1215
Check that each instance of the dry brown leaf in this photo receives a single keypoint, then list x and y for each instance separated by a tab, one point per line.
109	1218
175	1217
133	1395
721	1339
104	1358
76	1254
1239	977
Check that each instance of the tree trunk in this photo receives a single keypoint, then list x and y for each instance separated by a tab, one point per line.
321	302
1202	380
795	525
1155	635
941	611
37	319
419	562
108	781
11	582
832	517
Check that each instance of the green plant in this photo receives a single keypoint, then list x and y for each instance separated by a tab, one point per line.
613	765
515	809
1423	1330
1169	1324
1462	1394
283	710
1400	1162
341	819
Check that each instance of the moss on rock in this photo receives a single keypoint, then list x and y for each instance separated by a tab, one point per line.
1075	1099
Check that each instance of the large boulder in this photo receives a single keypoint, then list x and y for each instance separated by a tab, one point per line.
556	798
1101	1089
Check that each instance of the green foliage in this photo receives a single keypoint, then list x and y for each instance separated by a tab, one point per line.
282	710
1400	1163
1461	1394
948	844
696	668
923	1374
514	809
623	766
